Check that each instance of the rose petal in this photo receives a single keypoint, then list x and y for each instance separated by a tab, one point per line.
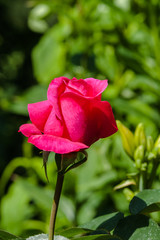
100	122
104	119
55	144
29	129
53	125
74	110
77	86
56	88
96	86
89	87
87	120
39	112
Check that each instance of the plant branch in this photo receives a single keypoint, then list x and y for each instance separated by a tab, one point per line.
55	204
153	173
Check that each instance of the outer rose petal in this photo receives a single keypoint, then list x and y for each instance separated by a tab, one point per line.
55	144
89	87
53	125
56	88
104	119
87	120
29	129
39	112
74	110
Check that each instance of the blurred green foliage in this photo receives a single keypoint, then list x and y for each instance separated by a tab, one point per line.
113	39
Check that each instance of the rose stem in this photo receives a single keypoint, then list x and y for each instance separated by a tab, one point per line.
57	194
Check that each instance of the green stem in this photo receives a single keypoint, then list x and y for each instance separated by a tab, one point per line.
141	181
153	173
57	195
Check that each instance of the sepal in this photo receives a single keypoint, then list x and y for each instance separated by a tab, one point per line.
66	162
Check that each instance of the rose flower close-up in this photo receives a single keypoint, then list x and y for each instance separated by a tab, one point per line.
72	118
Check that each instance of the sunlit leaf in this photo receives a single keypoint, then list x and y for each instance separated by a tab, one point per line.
74	232
137	227
145	201
8	236
107	222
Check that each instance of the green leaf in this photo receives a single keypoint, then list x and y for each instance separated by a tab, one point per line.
8	236
15	208
43	200
48	58
73	232
146	201
105	56
107	222
41	196
137	227
33	94
146	83
98	237
125	183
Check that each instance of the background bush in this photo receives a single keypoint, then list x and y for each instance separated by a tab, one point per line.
40	40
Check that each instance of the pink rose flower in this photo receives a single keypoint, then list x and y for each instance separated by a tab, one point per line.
72	118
